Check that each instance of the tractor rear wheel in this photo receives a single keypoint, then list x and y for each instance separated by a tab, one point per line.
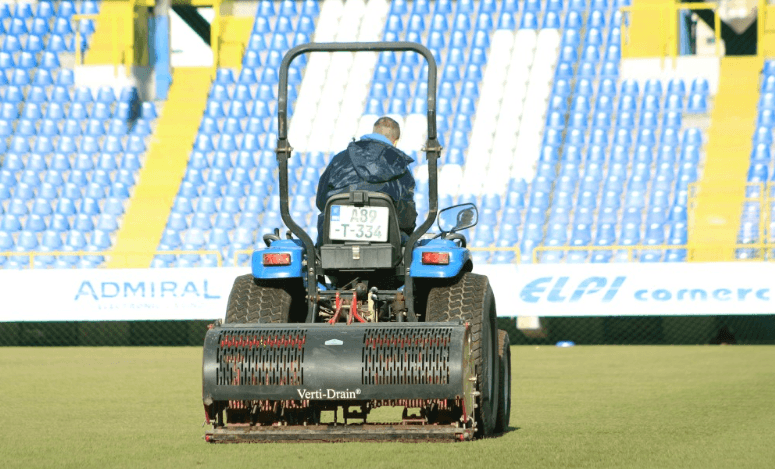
504	397
251	302
469	298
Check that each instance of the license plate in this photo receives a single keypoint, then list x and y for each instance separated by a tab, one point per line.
349	223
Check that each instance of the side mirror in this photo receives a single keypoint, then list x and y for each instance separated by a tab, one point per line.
457	218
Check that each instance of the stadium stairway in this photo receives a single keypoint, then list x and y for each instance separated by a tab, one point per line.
721	190
166	163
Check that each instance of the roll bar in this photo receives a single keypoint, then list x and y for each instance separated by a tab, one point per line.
432	150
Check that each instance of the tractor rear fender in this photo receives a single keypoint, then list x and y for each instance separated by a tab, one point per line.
458	258
274	267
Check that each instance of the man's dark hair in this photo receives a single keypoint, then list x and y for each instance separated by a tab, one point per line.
387	127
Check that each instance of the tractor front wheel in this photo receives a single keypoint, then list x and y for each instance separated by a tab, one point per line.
253	302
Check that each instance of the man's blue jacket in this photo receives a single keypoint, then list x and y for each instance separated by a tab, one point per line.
371	164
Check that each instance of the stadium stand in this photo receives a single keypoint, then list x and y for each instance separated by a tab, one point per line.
71	154
534	191
559	153
756	219
228	186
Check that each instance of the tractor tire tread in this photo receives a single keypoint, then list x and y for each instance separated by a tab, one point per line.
462	299
252	302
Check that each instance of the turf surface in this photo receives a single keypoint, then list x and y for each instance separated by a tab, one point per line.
577	407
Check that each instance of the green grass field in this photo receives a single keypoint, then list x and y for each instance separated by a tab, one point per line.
577	407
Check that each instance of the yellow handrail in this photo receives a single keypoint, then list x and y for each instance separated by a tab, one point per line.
629	248
240	252
690	250
31	255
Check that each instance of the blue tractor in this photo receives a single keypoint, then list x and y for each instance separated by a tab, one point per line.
359	321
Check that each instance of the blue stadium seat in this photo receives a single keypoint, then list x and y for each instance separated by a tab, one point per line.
25	128
17	205
95	127
19	145
588	69
613	53
506	21
148	111
676	86
623	137
656	213
6	62
37	31
677	235
529	20
574	20
766	117
20	77
219	92
201	221
643	154
10	223
251	59
605	234
675	255
224	76
590	53
698	104
653	87
669	140
561	206
651	102
551	20
207	205
700	86
6	126
13	95
128	94
18	26
646	138
691	154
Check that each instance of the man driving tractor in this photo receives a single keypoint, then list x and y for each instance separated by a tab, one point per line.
373	163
